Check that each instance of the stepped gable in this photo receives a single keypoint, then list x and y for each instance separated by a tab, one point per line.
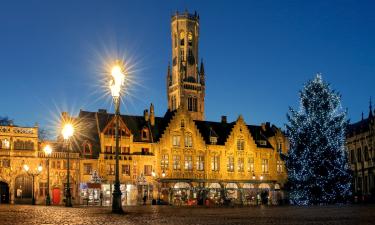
221	130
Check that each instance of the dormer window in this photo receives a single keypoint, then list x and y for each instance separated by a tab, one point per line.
182	123
263	142
145	134
213	140
87	148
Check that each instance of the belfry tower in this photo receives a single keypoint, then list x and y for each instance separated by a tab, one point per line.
185	80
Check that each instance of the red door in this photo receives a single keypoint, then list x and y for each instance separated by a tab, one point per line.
56	196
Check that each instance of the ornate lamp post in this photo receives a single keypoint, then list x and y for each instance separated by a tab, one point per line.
48	150
67	132
115	86
33	174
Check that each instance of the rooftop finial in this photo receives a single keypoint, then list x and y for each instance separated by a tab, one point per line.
370	108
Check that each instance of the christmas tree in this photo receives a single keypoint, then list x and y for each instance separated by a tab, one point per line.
317	161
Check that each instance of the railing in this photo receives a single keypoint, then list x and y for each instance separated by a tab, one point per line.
59	155
18	130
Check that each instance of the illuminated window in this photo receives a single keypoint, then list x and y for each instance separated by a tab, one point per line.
279	166
240	165
176	140
264	165
111	169
251	164
188	140
87	168
148	170
188	162
164	163
230	165
125	170
215	163
176	162
200	162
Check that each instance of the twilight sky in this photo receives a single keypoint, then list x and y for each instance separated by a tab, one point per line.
257	55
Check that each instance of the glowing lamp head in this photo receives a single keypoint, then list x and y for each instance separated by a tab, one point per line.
153	173
67	131
47	149
253	176
40	168
117	80
163	174
261	177
26	167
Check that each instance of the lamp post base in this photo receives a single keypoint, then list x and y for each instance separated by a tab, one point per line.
68	200
116	202
48	200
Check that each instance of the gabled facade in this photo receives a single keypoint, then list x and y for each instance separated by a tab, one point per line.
360	142
179	158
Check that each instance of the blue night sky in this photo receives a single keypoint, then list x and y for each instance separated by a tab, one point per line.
257	55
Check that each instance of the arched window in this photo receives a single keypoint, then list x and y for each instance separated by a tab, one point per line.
190	39
87	148
19	145
182	38
5	144
192	104
188	140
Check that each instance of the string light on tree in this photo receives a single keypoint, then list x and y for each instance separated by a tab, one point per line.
317	162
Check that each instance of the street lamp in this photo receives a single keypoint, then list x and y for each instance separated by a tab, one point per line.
33	174
67	132
48	150
115	86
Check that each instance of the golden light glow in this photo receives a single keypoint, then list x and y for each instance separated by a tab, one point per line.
47	149
117	80
67	131
26	167
40	168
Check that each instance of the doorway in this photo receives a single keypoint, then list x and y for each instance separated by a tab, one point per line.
4	193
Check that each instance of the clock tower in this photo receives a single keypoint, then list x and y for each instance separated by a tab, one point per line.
185	80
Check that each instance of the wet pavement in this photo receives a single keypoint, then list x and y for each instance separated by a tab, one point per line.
155	215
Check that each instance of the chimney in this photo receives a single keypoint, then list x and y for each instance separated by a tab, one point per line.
145	114
263	126
223	119
268	125
152	115
102	111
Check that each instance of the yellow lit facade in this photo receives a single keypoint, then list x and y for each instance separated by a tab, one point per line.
178	158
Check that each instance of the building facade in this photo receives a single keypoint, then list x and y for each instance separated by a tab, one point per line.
361	147
179	158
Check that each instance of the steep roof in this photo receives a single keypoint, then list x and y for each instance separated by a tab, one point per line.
359	127
221	130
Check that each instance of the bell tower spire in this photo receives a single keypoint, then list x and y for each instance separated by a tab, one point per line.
185	88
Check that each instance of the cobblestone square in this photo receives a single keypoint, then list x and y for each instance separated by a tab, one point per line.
155	215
